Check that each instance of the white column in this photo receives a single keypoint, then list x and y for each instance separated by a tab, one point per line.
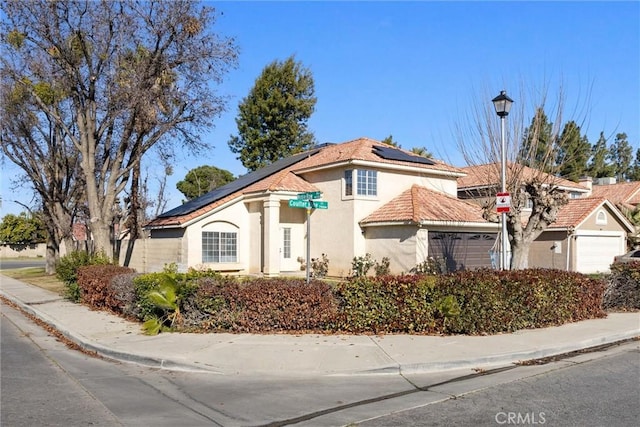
271	230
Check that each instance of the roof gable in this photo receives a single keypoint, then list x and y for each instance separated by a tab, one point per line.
627	193
576	212
419	204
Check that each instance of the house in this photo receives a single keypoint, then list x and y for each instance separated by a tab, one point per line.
588	232
585	237
380	200
625	196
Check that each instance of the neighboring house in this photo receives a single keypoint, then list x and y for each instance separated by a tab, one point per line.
381	200
587	234
626	197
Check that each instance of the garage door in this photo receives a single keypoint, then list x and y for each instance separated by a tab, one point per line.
461	251
594	254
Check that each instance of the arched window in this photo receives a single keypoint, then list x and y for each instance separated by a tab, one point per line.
601	217
219	242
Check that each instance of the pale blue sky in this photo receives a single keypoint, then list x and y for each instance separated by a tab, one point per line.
414	69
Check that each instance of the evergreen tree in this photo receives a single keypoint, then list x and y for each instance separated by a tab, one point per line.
202	180
598	166
389	141
272	119
635	169
538	144
621	156
422	151
574	151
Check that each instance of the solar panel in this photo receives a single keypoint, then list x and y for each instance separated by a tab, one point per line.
240	183
390	153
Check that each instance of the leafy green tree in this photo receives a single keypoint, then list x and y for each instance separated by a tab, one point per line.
538	145
272	119
598	166
574	151
129	76
22	229
621	156
203	179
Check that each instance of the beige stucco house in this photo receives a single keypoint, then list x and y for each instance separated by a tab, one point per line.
381	200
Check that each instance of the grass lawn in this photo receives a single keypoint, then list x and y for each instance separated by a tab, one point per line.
37	277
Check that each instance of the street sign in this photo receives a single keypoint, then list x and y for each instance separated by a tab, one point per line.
503	202
295	203
319	204
310	195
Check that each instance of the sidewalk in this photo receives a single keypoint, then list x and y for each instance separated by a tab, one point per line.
308	355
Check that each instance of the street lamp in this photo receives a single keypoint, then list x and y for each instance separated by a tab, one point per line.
502	104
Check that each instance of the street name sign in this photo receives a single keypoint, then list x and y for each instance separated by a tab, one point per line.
503	202
295	203
310	195
319	204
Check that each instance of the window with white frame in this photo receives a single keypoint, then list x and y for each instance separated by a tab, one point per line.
364	181
367	184
348	182
601	218
219	246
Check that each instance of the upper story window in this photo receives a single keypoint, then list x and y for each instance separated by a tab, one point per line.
364	181
367	183
348	183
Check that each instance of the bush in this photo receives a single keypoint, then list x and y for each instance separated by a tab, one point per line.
319	267
382	268
123	292
94	284
361	265
623	287
504	301
67	270
392	304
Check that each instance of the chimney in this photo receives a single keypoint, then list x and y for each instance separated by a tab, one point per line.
587	181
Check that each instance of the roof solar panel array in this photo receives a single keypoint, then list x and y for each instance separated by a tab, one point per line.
390	153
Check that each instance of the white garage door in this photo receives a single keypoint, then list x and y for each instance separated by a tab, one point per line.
594	254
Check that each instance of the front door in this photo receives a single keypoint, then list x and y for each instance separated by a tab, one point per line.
288	260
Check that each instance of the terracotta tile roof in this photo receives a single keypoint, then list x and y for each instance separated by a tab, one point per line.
623	193
289	179
362	149
576	211
489	175
419	204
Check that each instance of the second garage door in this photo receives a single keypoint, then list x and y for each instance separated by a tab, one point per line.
594	254
461	251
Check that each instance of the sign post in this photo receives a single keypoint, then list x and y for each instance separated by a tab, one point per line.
308	201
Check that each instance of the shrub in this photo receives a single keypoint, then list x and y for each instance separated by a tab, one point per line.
361	265
504	301
94	281
623	287
67	270
123	292
382	268
392	304
319	267
430	266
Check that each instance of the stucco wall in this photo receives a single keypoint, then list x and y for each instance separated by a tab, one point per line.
398	243
151	255
16	251
549	250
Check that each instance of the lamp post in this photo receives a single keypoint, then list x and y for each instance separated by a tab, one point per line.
502	104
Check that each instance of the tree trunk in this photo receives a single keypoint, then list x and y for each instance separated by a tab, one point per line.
519	254
101	234
51	255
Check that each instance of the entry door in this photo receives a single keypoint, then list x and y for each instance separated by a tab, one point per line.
288	262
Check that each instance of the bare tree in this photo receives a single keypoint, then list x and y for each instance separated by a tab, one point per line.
131	74
531	171
37	145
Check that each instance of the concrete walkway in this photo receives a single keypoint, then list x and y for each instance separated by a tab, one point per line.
308	354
